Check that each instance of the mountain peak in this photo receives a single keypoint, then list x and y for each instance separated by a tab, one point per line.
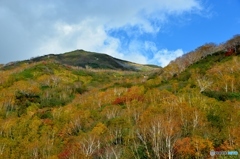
86	59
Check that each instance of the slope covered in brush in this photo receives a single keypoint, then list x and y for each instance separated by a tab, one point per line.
50	110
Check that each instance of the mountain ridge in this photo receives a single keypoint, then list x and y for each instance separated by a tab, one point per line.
86	59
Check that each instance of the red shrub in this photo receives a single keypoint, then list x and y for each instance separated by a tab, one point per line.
229	52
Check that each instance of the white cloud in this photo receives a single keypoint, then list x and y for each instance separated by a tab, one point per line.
164	56
60	26
137	58
86	35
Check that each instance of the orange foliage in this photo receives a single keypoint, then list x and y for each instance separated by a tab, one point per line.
184	147
194	146
134	93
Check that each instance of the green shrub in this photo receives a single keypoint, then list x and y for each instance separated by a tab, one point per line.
222	96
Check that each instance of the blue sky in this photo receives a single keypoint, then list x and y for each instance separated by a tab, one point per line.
146	32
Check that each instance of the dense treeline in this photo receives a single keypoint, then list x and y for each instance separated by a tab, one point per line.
48	110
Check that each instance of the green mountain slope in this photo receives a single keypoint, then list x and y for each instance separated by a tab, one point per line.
85	59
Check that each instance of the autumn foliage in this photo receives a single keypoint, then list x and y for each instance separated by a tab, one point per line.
50	110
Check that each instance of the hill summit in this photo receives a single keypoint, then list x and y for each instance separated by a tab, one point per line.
86	59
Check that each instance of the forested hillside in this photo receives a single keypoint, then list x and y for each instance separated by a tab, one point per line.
51	110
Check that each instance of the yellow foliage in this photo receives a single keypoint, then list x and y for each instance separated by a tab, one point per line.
85	79
201	145
26	86
99	129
